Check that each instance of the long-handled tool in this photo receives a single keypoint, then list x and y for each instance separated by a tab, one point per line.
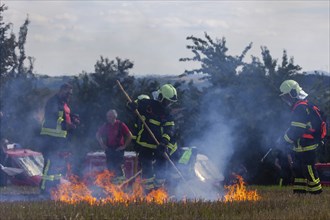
264	157
153	137
130	179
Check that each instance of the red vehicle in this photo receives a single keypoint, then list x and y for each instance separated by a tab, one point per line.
21	166
324	173
96	161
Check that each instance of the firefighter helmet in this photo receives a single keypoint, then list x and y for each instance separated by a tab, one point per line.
290	87
168	92
143	96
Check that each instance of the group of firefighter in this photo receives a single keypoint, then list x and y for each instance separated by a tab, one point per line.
153	135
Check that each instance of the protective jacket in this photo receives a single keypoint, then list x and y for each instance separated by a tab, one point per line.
304	127
160	122
54	130
57	118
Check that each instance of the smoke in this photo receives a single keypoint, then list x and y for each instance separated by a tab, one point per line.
222	133
237	125
215	146
216	139
21	107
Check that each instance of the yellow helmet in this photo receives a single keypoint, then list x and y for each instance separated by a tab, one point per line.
143	96
168	92
290	87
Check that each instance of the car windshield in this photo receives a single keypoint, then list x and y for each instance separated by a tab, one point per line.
31	164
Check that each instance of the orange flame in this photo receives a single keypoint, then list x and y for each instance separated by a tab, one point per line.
98	188
238	192
73	191
76	191
158	196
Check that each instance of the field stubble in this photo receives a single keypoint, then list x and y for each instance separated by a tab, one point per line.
275	203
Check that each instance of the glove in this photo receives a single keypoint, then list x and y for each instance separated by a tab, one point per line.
132	106
75	119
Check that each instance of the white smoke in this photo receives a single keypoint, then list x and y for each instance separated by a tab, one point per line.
215	143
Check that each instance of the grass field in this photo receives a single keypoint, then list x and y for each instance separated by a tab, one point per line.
275	203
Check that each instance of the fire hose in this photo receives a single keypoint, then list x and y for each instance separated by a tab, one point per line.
154	138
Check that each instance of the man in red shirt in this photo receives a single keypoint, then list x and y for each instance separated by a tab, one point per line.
114	136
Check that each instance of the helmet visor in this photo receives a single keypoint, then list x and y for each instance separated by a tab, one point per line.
173	98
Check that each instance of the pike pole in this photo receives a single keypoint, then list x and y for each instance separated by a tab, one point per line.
130	179
154	138
264	157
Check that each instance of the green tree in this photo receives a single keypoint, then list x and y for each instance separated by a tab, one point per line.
246	93
221	67
7	46
95	93
17	83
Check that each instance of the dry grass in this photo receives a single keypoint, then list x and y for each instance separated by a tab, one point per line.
275	203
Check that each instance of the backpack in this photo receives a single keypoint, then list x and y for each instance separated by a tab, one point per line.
319	117
321	132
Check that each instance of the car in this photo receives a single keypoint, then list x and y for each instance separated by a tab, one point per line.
20	166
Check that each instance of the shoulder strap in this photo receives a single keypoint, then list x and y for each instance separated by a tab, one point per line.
320	116
301	102
315	109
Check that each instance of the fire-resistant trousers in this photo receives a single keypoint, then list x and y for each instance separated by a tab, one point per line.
306	179
54	165
152	163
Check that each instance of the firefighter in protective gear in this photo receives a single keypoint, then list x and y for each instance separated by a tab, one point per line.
156	113
301	136
58	121
137	122
142	96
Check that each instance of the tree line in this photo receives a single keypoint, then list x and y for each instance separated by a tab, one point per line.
243	97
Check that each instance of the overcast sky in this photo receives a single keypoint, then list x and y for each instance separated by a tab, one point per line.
68	37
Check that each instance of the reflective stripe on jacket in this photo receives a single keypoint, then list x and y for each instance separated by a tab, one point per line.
301	132
55	132
160	123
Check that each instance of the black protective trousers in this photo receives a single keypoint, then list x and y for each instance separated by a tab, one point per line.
306	178
152	162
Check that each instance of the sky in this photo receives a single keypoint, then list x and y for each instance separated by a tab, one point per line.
68	37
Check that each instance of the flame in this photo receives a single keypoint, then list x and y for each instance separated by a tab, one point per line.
238	192
158	196
103	190
98	188
72	191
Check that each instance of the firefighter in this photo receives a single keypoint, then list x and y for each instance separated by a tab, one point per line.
156	113
301	138
283	166
137	122
58	122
